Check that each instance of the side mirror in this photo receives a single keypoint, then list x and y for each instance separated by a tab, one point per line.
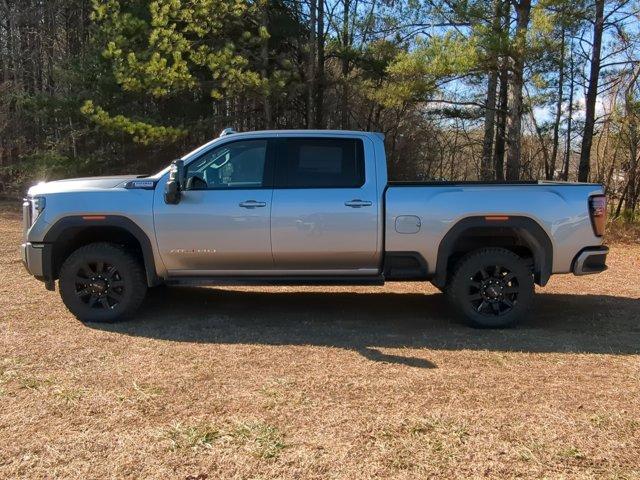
175	184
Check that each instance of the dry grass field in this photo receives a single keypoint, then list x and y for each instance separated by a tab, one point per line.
297	383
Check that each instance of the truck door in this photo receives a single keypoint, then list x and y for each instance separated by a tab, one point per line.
324	216
221	224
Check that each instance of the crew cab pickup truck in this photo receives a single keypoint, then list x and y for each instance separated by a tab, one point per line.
306	207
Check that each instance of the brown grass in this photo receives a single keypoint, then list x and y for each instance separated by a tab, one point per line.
299	383
623	231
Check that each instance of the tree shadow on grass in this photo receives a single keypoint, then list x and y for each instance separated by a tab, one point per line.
366	322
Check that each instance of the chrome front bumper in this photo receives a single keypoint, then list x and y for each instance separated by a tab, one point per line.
590	260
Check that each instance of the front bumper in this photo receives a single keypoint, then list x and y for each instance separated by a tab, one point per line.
590	260
36	258
32	258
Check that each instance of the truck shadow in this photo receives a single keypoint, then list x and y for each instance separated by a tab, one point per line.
365	322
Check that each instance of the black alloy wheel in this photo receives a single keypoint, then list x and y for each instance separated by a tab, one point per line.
99	285
102	282
493	290
492	287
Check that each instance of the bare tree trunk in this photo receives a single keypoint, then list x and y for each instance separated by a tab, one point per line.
543	145
550	169
311	67
501	127
633	139
264	59
514	119
622	200
344	107
567	152
319	103
486	167
503	98
632	194
4	40
592	93
486	164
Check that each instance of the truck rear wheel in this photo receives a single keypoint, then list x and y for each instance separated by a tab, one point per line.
492	288
102	282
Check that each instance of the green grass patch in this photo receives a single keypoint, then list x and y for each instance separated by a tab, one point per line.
257	438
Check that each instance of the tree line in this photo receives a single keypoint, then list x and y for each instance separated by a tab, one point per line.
462	89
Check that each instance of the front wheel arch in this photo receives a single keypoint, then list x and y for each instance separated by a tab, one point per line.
72	232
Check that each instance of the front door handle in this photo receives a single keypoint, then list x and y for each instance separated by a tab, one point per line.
357	203
252	204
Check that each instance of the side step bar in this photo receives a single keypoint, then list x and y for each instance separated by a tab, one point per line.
276	281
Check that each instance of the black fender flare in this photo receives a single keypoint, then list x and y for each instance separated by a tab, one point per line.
530	230
79	222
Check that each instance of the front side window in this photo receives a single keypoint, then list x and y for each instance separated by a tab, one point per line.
234	165
321	163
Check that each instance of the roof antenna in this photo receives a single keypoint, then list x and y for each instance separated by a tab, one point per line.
227	131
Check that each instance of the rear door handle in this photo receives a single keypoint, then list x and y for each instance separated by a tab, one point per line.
252	204
357	203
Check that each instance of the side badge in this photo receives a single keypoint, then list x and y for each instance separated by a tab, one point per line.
140	184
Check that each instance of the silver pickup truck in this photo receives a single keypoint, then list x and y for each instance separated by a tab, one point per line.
306	207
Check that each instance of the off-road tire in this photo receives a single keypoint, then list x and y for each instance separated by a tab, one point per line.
102	282
491	288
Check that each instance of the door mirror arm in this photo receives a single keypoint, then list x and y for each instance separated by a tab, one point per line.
175	184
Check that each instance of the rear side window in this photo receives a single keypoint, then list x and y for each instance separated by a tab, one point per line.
320	163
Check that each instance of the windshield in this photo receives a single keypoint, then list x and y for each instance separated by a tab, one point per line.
186	158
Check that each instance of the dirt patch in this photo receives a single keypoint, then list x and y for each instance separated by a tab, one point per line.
306	383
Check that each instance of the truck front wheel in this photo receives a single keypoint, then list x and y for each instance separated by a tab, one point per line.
102	282
492	288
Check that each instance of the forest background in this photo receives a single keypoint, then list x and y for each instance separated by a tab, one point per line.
461	89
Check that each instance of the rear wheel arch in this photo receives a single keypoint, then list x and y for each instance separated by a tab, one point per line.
522	235
70	233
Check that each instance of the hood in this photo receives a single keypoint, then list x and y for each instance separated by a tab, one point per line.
81	184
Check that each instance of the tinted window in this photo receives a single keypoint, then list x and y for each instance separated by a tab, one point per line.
321	163
234	165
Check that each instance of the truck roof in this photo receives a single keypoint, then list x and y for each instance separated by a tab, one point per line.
227	131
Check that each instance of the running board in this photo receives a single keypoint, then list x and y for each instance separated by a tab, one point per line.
277	281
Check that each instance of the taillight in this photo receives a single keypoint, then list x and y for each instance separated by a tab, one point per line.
598	213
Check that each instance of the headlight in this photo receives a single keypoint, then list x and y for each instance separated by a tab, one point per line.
38	205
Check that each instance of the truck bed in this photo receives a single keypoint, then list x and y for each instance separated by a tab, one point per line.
560	208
